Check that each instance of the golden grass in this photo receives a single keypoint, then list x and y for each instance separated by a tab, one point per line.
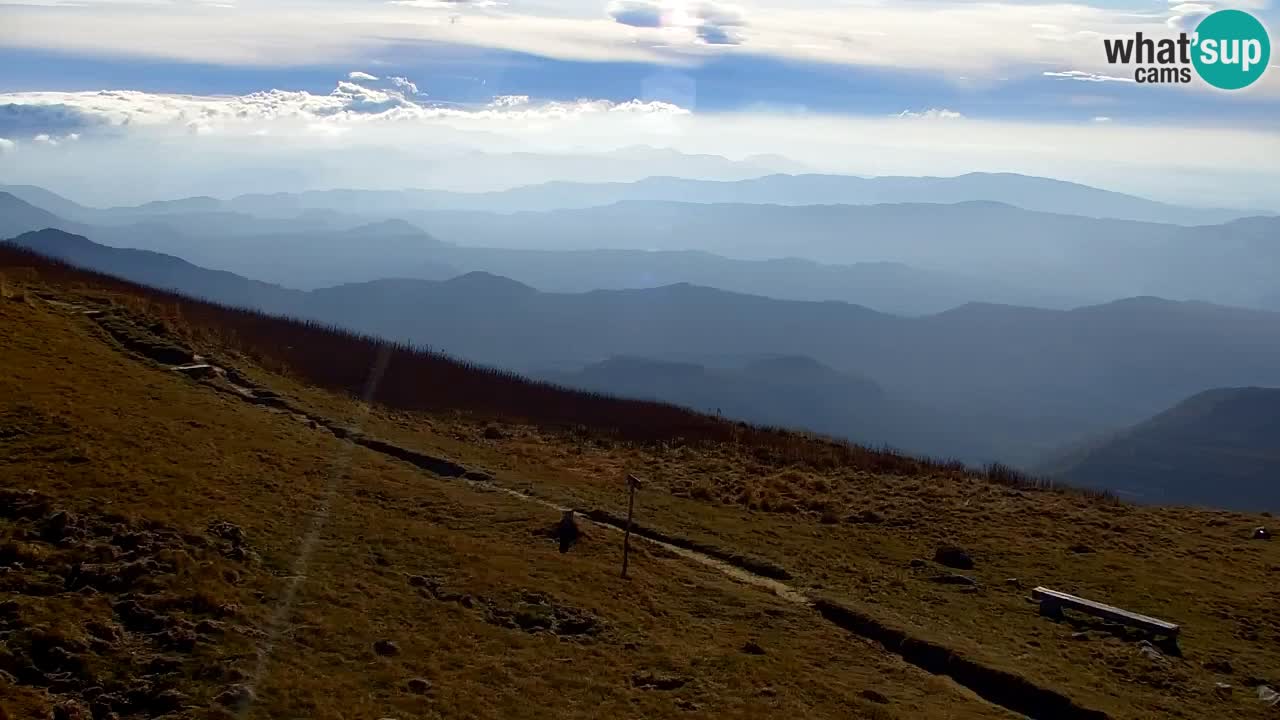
99	430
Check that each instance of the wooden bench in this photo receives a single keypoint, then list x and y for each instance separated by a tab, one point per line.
1052	602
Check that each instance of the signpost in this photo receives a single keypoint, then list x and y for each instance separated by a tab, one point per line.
633	482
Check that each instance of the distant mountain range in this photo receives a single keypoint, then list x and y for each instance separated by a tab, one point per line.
1221	438
907	259
996	381
1027	192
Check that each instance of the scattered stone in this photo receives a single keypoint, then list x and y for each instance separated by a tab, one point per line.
1080	636
954	579
1149	651
875	697
1261	533
1268	696
230	532
491	432
765	691
1219	666
687	705
1080	549
71	710
420	581
648	680
1222	690
753	648
386	648
167	701
953	557
866	517
419	686
1013	582
916	563
236	697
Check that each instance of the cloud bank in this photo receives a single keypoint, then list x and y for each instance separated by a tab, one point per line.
160	145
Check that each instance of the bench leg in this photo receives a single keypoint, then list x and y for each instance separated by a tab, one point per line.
1051	609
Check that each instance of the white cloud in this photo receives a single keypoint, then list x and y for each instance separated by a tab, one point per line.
404	84
931	114
1102	119
710	22
6	145
357	75
988	40
348	106
359	136
1084	76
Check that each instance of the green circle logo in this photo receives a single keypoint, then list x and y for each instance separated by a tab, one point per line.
1231	49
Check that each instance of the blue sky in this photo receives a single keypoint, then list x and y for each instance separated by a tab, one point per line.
1010	69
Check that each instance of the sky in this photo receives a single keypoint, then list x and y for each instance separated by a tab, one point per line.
112	99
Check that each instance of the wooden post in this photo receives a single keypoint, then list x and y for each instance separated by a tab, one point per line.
633	482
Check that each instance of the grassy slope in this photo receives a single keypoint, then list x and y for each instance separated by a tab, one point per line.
101	429
1193	567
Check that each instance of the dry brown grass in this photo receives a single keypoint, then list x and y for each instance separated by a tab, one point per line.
97	430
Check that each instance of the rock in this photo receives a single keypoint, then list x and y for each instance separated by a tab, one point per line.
753	648
1080	636
230	532
954	579
236	697
953	557
916	563
687	705
1222	690
491	432
1219	666
1080	549
1268	696
386	648
1151	652
875	697
1261	533
419	686
768	692
866	517
1013	582
658	680
420	581
166	701
71	710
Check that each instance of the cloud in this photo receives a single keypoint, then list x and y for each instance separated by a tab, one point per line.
931	114
1085	76
404	84
357	75
711	23
6	145
1102	119
349	106
637	13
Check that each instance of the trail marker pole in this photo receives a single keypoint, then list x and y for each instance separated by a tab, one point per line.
633	482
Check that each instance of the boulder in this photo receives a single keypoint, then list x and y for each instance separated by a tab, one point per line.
953	557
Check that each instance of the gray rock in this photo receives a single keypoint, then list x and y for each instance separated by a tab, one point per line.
386	648
1152	653
1268	696
1222	690
954	579
1261	533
